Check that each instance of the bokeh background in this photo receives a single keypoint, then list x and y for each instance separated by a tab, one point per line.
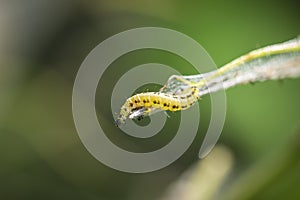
43	43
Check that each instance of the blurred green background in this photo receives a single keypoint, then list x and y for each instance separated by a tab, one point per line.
43	43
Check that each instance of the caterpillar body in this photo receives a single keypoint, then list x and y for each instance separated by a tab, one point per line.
163	101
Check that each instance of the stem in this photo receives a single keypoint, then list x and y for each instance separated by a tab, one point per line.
273	62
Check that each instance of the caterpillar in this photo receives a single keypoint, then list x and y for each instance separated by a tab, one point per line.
160	100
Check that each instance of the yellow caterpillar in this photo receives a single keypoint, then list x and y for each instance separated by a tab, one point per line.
163	101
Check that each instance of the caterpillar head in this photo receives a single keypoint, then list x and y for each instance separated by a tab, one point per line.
138	114
135	113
